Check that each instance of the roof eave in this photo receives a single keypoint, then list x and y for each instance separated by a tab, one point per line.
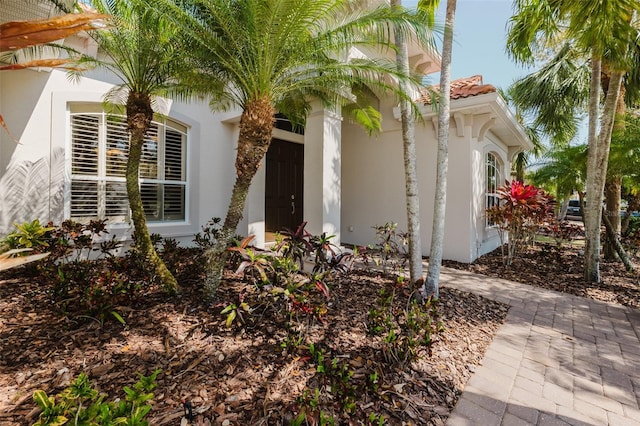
498	108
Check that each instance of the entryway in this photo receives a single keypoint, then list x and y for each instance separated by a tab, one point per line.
284	187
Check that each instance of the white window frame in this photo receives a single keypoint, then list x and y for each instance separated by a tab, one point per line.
163	126
493	168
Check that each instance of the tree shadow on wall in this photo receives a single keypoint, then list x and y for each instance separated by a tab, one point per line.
32	190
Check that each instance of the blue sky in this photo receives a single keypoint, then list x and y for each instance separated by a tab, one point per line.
479	41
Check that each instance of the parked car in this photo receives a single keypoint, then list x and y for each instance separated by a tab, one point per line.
574	208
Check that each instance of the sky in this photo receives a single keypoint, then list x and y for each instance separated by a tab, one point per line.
479	45
479	41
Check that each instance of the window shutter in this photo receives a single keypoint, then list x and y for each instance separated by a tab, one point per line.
85	142
174	163
84	199
149	159
116	202
174	202
117	147
151	201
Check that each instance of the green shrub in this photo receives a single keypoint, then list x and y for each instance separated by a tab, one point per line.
31	235
81	404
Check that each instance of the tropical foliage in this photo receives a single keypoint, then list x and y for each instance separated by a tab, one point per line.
521	211
144	51
602	32
275	56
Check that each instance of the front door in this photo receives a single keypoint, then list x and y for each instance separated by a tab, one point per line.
283	192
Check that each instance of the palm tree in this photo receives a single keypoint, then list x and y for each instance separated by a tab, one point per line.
603	32
409	152
564	171
523	158
274	56
624	162
145	54
440	198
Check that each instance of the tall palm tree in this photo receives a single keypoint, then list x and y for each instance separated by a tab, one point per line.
274	56
603	32
143	51
432	283
409	152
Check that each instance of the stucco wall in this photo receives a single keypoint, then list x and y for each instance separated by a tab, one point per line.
486	237
33	173
373	185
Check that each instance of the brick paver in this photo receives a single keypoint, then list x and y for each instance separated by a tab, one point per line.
557	360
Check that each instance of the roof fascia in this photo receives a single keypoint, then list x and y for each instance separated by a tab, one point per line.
498	107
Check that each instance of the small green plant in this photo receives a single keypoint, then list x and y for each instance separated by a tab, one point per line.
81	404
375	419
211	231
257	267
405	328
337	375
390	249
326	419
233	311
31	235
373	381
295	245
327	258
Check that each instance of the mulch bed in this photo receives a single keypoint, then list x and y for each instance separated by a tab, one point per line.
240	375
253	373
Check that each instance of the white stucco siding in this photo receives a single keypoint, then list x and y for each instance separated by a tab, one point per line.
486	238
374	192
373	182
460	200
41	163
374	188
371	194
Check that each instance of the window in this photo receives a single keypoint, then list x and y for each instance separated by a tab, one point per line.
494	178
99	149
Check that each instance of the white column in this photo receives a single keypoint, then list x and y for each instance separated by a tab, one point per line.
322	172
254	210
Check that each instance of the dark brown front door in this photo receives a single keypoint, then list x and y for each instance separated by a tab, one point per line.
283	192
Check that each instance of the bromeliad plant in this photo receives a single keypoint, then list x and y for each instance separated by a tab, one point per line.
521	211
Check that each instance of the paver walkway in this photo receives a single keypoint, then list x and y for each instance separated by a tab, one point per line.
558	359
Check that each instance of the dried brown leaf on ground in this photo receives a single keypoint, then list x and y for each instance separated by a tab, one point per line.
254	373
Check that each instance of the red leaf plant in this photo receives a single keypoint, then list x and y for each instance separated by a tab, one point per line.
519	214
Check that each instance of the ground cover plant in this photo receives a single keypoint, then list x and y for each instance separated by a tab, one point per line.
279	345
345	347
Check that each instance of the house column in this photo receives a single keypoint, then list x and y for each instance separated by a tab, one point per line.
253	216
322	172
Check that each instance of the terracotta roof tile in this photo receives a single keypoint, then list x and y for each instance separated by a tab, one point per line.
461	88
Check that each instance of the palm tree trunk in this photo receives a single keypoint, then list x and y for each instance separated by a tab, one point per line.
139	116
591	216
612	195
598	158
520	164
613	185
440	199
634	205
410	170
615	239
256	127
